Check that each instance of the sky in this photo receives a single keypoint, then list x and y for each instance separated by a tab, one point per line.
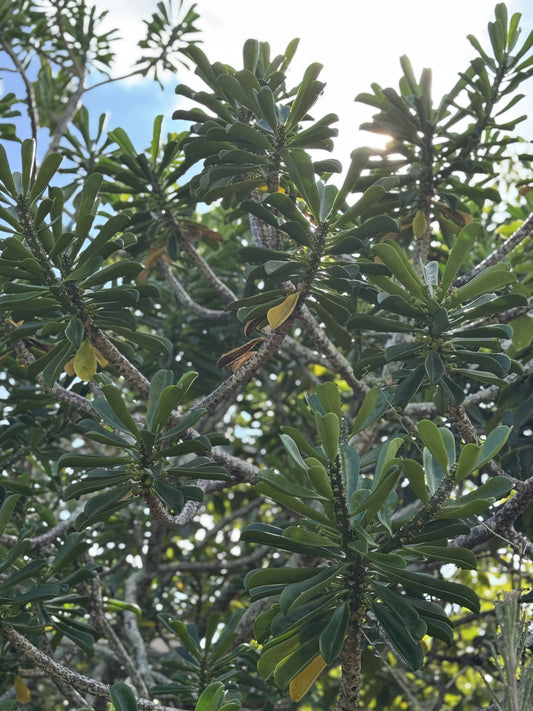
357	42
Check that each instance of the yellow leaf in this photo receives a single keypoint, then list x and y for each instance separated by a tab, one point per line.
69	368
420	224
153	255
22	692
85	361
303	681
100	358
280	313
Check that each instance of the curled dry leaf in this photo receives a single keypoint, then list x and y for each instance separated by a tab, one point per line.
236	353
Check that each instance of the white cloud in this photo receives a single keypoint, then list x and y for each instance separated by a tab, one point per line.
357	42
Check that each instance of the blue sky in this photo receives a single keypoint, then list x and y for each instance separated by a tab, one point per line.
357	42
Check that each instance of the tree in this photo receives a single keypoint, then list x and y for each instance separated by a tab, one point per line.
319	385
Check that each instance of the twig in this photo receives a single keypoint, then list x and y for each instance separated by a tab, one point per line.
325	346
513	241
505	316
224	523
30	94
131	628
501	522
227	389
203	267
80	682
181	294
173	521
215	566
102	624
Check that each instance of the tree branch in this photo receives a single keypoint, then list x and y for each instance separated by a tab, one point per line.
67	676
30	94
501	522
328	349
513	241
169	520
181	294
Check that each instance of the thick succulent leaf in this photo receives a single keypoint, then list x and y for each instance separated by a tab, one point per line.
461	557
332	637
410	649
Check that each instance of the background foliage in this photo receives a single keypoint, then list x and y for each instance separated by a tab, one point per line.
266	435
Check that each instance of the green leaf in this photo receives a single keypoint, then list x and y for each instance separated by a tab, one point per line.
492	445
377	498
27	155
374	405
170	397
403	609
328	429
301	171
90	460
172	496
437	587
294	663
281	483
122	697
161	380
371	195
417	479
46	172
467	461
394	258
211	697
462	246
490	279
276	651
96	480
122	269
432	438
308	92
311	538
6	510
54	366
331	639
387	452
114	397
38	592
327	194
358	161
266	534
31	570
330	399
5	173
107	231
101	506
75	332
409	387
298	593
350	469
276	576
441	531
151	341
435	367
410	649
379	324
301	443
461	557
178	628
